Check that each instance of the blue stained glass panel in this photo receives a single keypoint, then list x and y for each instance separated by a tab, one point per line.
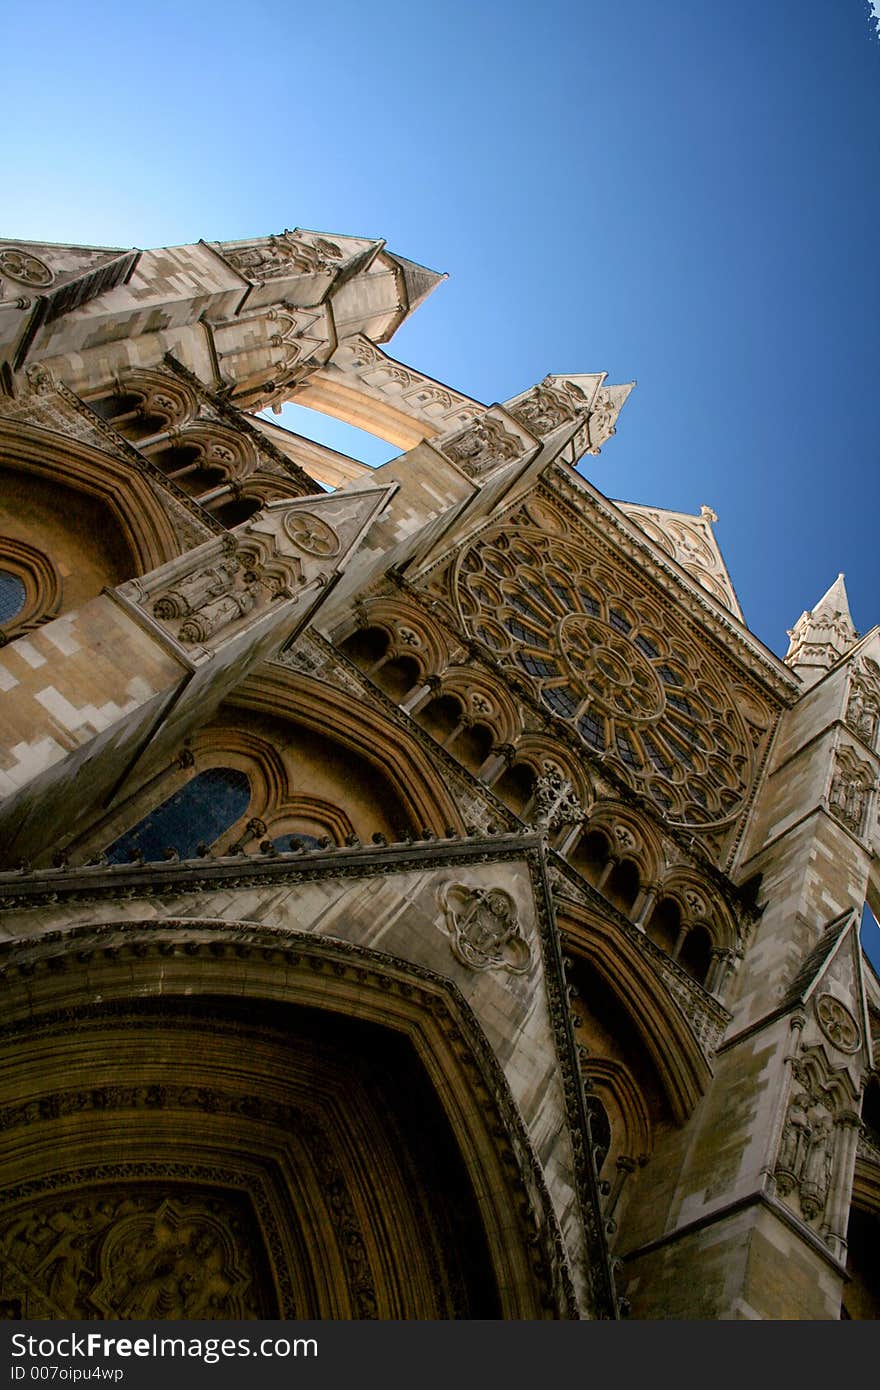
198	813
12	596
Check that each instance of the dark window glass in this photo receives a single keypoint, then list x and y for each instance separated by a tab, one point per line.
626	750
619	621
592	730
197	814
600	1130
537	667
561	701
12	596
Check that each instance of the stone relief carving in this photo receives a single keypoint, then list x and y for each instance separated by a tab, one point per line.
484	443
484	932
542	410
851	783
136	1254
817	1148
804	1162
211	598
311	534
556	802
863	707
602	416
222	591
40	380
288	254
24	267
838	1024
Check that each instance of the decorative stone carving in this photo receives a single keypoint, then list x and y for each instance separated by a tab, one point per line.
795	1144
484	932
620	672
288	254
24	267
196	590
817	1147
863	707
602	416
485	443
556	803
136	1254
609	668
851	782
838	1024
542	411
40	380
311	534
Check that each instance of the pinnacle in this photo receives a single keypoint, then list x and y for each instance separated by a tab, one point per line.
835	601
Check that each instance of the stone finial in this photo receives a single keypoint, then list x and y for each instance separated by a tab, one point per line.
822	634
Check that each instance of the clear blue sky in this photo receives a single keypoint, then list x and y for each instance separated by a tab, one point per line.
683	192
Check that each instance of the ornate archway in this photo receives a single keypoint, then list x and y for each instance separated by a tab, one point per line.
220	1120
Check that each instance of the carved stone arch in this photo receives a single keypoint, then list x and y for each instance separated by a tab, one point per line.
484	699
531	757
164	402
630	835
411	630
614	1083
700	905
146	1122
40	586
398	759
307	818
276	800
269	487
136	510
227	452
677	1057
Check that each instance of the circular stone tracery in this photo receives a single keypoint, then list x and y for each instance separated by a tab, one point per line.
606	659
609	669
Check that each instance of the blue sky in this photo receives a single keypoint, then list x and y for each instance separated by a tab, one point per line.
684	193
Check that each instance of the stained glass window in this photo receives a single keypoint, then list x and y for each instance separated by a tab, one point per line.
13	596
196	814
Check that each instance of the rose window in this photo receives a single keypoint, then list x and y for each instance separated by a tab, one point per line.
602	655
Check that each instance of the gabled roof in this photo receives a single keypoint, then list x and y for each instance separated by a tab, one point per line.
689	539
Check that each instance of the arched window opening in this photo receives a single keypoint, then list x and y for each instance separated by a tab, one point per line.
516	787
234	511
13	596
398	677
298	840
665	924
696	954
472	746
185	465
622	885
126	411
440	717
591	855
600	1130
195	815
366	646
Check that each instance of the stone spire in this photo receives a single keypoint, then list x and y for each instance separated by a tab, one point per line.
822	635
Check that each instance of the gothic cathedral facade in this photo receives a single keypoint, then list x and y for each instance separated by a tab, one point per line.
421	895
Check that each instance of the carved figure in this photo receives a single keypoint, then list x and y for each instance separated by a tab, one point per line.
483	929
